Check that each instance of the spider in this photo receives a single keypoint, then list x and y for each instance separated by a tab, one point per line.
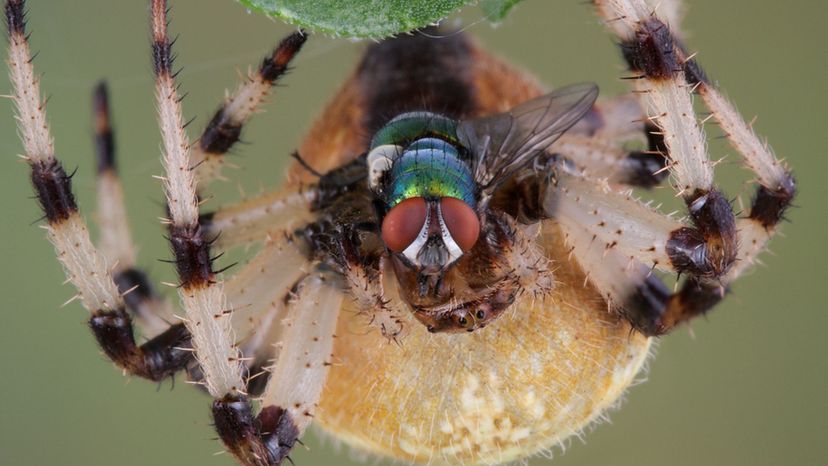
471	240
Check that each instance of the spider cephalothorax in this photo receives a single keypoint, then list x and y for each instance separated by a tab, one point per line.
467	208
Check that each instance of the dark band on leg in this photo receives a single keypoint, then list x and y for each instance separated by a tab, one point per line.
709	248
694	298
644	168
647	169
652	51
257	376
53	188
769	206
155	360
16	17
276	65
220	134
224	130
162	57
694	74
135	287
657	53
265	440
104	137
192	255
653	310
644	308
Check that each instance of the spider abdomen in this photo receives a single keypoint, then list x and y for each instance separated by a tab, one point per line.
542	372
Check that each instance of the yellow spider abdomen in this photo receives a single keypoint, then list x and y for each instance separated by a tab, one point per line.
539	374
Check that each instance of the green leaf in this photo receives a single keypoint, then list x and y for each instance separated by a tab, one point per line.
496	10
359	18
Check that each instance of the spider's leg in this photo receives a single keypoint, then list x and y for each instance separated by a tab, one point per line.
631	289
115	242
224	129
664	90
652	40
207	316
595	145
628	286
253	219
257	293
299	375
599	158
669	75
296	381
776	188
86	267
366	279
620	241
634	229
617	118
650	50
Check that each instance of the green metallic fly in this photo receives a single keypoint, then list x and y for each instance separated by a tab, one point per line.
433	179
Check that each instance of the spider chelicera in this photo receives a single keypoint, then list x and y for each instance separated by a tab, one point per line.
423	207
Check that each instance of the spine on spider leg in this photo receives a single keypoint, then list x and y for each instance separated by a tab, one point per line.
115	239
224	129
84	265
202	295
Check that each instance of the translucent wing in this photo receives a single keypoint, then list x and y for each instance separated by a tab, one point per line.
504	143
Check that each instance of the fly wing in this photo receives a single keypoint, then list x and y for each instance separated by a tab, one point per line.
504	143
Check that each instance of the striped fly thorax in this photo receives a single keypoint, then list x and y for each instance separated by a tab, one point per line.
427	159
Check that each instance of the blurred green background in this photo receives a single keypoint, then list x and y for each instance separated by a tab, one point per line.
748	385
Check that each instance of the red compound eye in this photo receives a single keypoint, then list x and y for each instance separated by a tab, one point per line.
403	222
461	221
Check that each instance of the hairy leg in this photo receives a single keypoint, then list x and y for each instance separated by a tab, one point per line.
152	311
86	267
252	220
610	231
295	385
595	145
652	46
224	129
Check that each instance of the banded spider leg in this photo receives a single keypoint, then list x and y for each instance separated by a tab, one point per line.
616	238
86	267
207	334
